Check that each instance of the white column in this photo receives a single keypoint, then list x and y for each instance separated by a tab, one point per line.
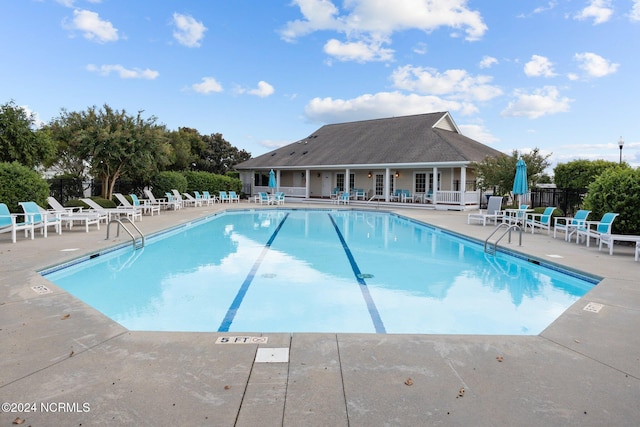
347	185
277	179
307	179
387	184
435	185
463	185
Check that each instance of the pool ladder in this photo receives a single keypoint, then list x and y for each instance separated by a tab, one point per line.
491	248
136	244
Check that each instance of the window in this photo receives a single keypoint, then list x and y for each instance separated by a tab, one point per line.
340	181
431	181
420	182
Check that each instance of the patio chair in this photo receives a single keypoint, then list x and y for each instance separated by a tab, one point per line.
602	227
223	196
125	205
9	223
492	213
209	197
569	225
264	198
40	218
172	199
542	220
71	215
163	203
203	199
192	200
113	212
146	207
183	202
279	197
359	194
344	198
335	193
233	197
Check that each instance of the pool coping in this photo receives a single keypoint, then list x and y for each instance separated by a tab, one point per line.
133	376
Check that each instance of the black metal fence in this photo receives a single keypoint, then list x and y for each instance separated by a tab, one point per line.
569	200
65	189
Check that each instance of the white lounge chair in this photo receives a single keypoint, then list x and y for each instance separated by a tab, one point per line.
41	218
71	215
542	220
569	225
163	203
192	200
184	202
132	214
493	212
9	223
602	227
145	207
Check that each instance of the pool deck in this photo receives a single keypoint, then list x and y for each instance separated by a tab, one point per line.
60	354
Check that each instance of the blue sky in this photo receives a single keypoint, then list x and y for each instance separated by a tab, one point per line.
558	75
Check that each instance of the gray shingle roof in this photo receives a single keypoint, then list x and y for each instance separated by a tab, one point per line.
397	140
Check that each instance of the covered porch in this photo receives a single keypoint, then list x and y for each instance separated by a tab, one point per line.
445	187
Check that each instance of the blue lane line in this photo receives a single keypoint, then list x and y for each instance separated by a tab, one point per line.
235	305
371	306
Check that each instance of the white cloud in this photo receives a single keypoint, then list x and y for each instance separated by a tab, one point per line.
541	102
124	73
539	66
378	105
457	84
478	132
208	85
488	62
188	32
359	51
364	21
92	27
595	65
598	10
634	15
263	90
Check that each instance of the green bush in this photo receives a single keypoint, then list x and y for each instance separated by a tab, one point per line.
167	181
19	183
616	190
108	204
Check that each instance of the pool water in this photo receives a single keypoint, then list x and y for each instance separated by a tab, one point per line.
320	271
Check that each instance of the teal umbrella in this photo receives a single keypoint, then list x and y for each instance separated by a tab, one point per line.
272	180
520	184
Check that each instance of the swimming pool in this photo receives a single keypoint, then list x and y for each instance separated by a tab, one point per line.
319	271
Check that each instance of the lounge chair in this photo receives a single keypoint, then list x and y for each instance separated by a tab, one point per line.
145	207
41	218
203	199
181	200
192	200
9	223
602	227
493	212
163	203
125	205
71	215
113	212
542	220
172	199
233	197
569	225
222	195
610	239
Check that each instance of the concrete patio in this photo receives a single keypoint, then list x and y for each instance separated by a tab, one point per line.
60	355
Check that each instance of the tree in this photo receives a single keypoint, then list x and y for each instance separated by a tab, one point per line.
114	143
500	171
217	155
581	173
19	141
184	142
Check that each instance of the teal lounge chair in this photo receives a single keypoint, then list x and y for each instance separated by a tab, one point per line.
145	207
40	218
223	196
596	229
9	223
569	225
279	197
542	220
233	197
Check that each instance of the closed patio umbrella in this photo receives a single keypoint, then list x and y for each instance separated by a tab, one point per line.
272	180
520	183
